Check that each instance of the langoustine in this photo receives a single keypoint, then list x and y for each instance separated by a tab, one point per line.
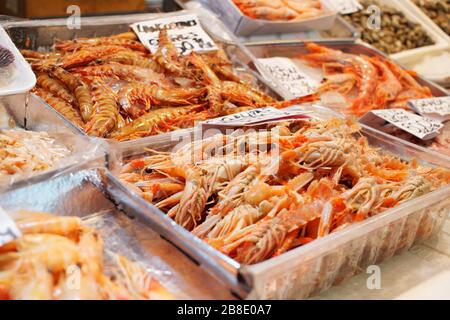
256	195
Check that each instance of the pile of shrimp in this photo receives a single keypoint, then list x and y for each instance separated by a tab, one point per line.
113	87
359	83
26	152
257	194
62	259
282	10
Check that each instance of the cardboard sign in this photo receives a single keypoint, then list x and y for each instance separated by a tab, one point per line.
437	108
185	31
421	127
347	6
289	77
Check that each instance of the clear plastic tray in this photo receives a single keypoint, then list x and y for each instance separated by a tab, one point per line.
41	34
87	194
313	268
245	26
31	113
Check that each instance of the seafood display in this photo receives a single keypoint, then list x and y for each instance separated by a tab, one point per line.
438	11
395	34
61	258
355	84
28	152
254	195
284	10
112	87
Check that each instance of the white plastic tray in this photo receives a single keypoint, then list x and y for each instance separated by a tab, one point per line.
242	25
22	78
439	41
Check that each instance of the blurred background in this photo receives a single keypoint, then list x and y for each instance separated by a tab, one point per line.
58	8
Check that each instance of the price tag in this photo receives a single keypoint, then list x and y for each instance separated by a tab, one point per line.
8	229
347	6
437	108
422	127
289	77
256	116
185	31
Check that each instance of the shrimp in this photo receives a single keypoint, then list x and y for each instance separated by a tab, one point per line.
270	13
78	88
389	87
167	55
77	44
105	116
55	87
61	106
124	72
153	122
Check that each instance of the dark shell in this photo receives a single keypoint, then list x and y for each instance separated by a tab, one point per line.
6	57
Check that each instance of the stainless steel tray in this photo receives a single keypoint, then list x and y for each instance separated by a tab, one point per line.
292	49
41	34
313	268
87	194
31	113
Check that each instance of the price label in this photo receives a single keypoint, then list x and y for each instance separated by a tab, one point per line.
347	6
8	229
185	31
289	77
437	108
422	127
257	116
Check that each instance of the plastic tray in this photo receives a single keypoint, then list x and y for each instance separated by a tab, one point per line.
340	28
439	41
87	194
40	35
31	113
244	26
313	268
442	78
22	77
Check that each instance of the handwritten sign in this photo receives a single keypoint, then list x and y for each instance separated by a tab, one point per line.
422	127
347	6
185	31
8	229
292	80
257	116
437	108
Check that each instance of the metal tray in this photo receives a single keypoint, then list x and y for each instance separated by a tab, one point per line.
313	268
87	194
41	34
340	28
29	112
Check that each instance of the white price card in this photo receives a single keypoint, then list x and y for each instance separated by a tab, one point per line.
8	229
185	31
422	127
347	6
293	81
437	108
256	116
